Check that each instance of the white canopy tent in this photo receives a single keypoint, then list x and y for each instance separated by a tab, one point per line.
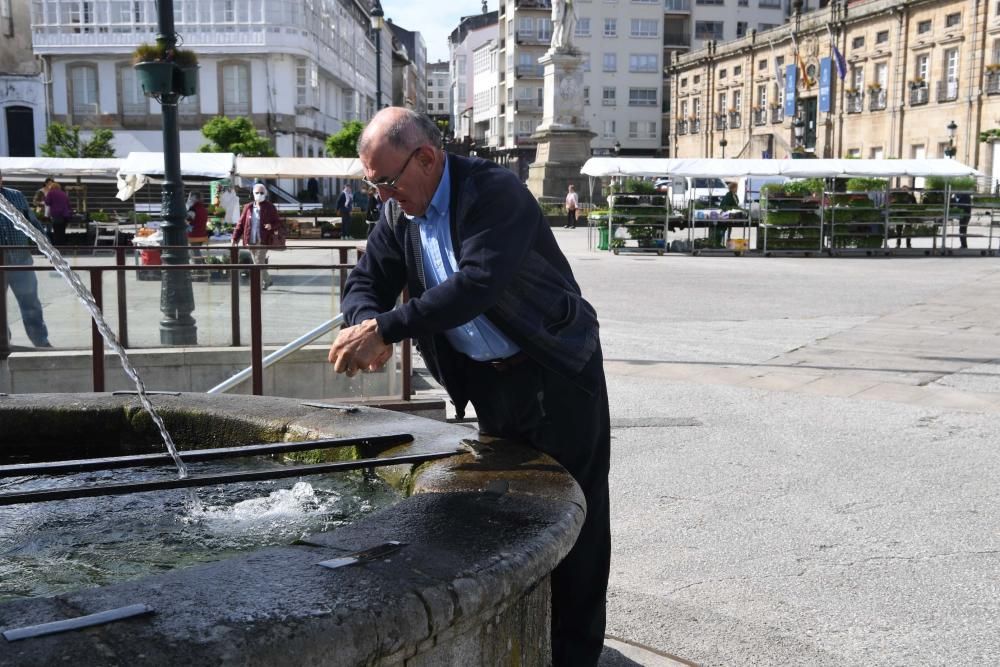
138	167
819	168
59	167
298	167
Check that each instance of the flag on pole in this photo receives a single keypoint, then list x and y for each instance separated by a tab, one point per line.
838	57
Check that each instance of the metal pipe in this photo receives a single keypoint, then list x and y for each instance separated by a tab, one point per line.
96	341
197	455
122	299
256	335
280	353
45	495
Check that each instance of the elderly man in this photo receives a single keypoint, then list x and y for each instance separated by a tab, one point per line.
500	322
22	283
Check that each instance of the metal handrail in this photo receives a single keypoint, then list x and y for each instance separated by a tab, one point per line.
280	353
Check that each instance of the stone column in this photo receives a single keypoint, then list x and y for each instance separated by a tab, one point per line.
564	135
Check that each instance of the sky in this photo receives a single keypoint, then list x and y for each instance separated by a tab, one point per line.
434	20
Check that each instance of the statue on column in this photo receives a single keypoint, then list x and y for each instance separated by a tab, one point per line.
563	24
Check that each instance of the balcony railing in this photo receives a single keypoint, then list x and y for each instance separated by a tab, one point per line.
919	94
530	37
529	71
682	127
855	102
533	4
676	38
993	83
696	126
947	91
720	121
877	99
527	105
734	119
777	114
677	5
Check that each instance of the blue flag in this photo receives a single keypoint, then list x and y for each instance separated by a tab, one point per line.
838	58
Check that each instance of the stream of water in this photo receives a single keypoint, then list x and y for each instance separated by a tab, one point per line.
60	264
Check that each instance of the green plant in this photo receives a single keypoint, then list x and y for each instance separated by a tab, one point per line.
958	183
234	135
804	188
866	184
992	134
345	142
185	58
157	52
639	186
64	141
100	216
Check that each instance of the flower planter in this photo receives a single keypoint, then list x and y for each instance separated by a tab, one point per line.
186	81
156	78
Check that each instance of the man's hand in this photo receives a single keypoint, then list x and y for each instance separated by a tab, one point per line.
359	348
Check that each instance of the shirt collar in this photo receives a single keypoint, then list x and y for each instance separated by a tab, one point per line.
440	200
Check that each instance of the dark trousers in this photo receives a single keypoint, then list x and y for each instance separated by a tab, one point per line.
571	218
59	230
24	285
533	404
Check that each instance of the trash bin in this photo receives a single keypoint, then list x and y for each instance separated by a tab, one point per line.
602	239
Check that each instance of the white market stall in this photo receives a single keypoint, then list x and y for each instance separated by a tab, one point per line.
58	167
619	167
298	167
139	168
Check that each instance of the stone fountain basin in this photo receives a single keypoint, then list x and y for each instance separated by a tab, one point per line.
483	531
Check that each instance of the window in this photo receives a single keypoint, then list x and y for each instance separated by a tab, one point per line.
769	4
721	109
710	2
684	81
586	62
762	64
235	90
722	74
882	37
610	62
857	78
610	27
741	29
737	101
609	128
608	96
83	80
696	107
582	27
708	30
922	64
952	20
882	75
134	102
877	153
642	97
923	26
697	79
641	129
586	96
301	74
761	27
684	109
738	70
644	28
854	152
743	3
857	43
643	62
762	96
951	64
6	18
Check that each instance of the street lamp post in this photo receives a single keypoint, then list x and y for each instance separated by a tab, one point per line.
950	151
617	148
378	20
799	127
177	327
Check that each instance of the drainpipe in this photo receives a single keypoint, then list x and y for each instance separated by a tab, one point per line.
748	89
974	114
899	110
709	134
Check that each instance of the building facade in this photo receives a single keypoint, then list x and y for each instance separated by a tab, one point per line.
472	33
297	69
409	70
22	93
909	70
439	95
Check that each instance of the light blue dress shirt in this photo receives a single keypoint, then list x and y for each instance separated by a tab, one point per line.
478	338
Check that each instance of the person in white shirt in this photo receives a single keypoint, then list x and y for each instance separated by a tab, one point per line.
572	202
257	227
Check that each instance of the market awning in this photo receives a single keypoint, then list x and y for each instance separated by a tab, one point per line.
820	168
58	167
298	167
138	167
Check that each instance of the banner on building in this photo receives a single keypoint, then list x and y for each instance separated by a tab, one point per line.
825	76
791	71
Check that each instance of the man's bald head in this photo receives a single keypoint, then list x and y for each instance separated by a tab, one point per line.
400	129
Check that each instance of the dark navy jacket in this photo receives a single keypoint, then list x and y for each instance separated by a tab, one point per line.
510	268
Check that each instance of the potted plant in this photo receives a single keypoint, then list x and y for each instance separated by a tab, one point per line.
161	70
919	82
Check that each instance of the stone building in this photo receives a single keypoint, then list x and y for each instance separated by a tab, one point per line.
908	70
22	94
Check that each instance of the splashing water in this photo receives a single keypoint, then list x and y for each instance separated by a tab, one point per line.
60	264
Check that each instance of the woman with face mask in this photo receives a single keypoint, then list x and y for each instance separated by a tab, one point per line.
256	228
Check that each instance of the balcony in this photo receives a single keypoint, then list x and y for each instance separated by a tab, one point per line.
735	120
777	115
919	94
759	117
695	126
682	127
529	71
677	6
947	91
855	102
529	37
720	121
533	4
677	38
992	82
877	99
527	106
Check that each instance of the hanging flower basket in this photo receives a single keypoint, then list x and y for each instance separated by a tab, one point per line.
156	78
186	81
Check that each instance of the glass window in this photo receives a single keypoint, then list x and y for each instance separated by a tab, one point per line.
882	37
738	70
644	62
722	74
582	27
235	90
608	96
952	20
609	128
610	62
923	26
134	102
857	42
708	30
644	28
642	97
610	27
951	64
83	79
741	29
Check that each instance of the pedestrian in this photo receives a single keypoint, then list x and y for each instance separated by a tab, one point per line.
905	197
373	211
730	202
572	203
961	202
197	219
256	229
38	204
500	322
23	284
345	202
60	212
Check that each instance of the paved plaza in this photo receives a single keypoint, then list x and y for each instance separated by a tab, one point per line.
804	455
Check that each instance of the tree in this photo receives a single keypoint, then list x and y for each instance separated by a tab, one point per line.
64	141
234	135
345	142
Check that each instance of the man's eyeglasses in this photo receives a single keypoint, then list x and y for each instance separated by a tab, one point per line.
390	183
